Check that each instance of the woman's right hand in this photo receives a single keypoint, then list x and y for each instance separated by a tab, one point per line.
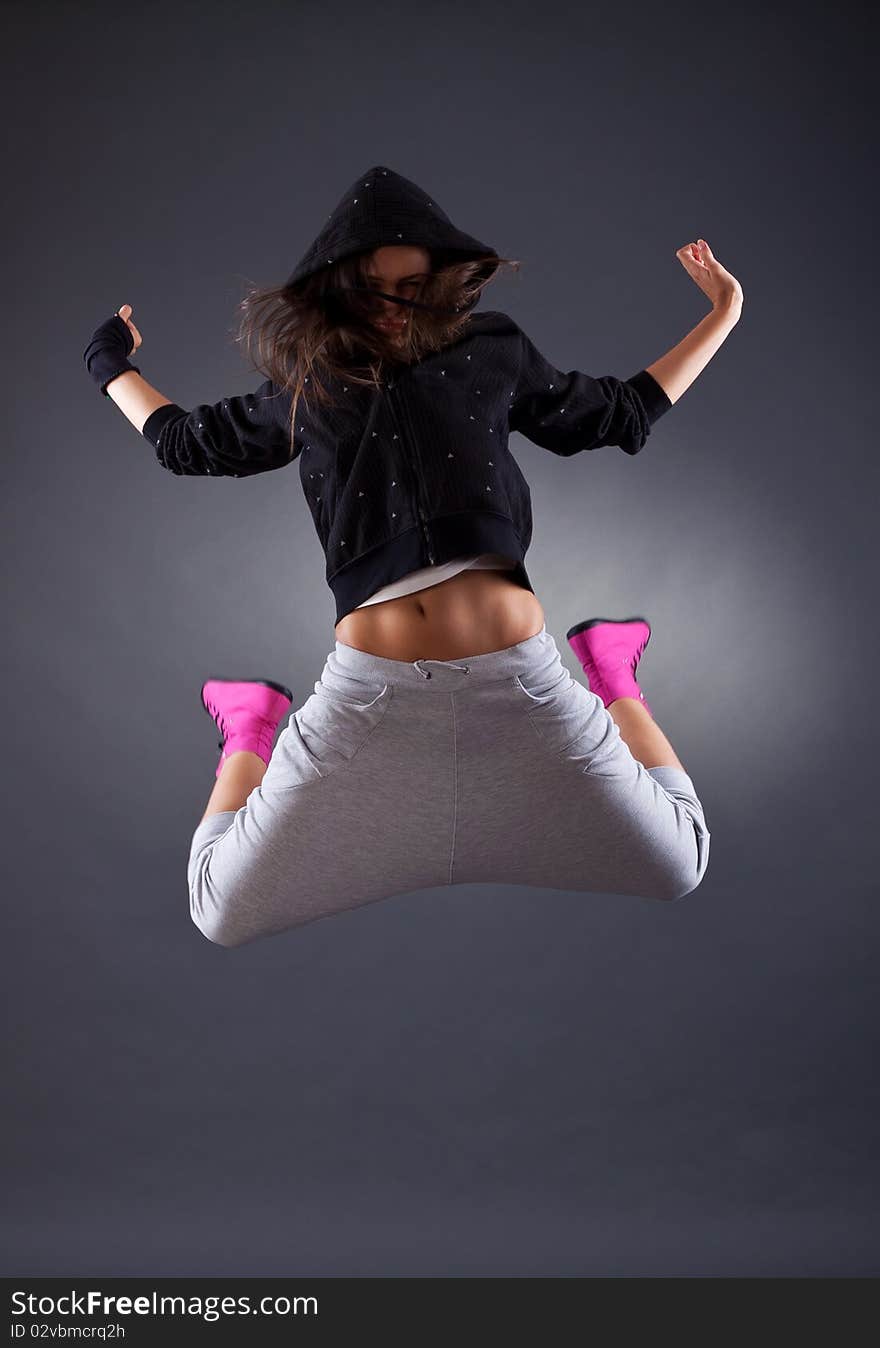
125	314
110	346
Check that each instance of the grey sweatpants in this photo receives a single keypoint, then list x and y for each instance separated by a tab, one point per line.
497	767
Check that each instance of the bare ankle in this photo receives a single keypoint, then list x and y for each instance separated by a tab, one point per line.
642	735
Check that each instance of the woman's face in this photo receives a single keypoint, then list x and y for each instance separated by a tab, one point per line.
397	269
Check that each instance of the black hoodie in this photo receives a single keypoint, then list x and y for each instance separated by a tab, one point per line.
417	472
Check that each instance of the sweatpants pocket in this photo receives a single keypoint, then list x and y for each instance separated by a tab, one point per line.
569	720
325	734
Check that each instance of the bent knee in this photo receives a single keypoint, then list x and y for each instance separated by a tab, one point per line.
214	920
212	909
218	929
685	871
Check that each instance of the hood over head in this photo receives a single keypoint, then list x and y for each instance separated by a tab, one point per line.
383	208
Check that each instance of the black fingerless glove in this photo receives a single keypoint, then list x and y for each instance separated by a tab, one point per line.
107	353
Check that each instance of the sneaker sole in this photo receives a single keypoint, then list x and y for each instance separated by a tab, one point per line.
267	683
594	622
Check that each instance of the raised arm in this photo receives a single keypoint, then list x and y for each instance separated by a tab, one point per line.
135	398
571	411
236	437
678	369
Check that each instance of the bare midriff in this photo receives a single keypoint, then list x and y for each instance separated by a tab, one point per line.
472	613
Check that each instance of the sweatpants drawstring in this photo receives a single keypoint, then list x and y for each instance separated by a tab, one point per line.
427	673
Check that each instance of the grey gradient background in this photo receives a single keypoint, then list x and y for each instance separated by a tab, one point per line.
474	1080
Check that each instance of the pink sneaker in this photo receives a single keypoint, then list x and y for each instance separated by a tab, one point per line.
246	712
609	650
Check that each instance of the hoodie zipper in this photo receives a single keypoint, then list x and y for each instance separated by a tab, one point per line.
415	464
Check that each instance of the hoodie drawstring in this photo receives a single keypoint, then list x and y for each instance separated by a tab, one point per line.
426	673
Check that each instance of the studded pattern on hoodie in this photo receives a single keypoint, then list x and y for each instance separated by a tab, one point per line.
418	471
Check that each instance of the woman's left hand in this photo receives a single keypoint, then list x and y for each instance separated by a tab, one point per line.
723	289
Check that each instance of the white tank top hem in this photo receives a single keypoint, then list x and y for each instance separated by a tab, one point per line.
433	575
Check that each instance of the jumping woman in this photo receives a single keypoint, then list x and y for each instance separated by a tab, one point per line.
445	741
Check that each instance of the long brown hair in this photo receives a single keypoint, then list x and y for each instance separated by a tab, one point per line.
309	333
